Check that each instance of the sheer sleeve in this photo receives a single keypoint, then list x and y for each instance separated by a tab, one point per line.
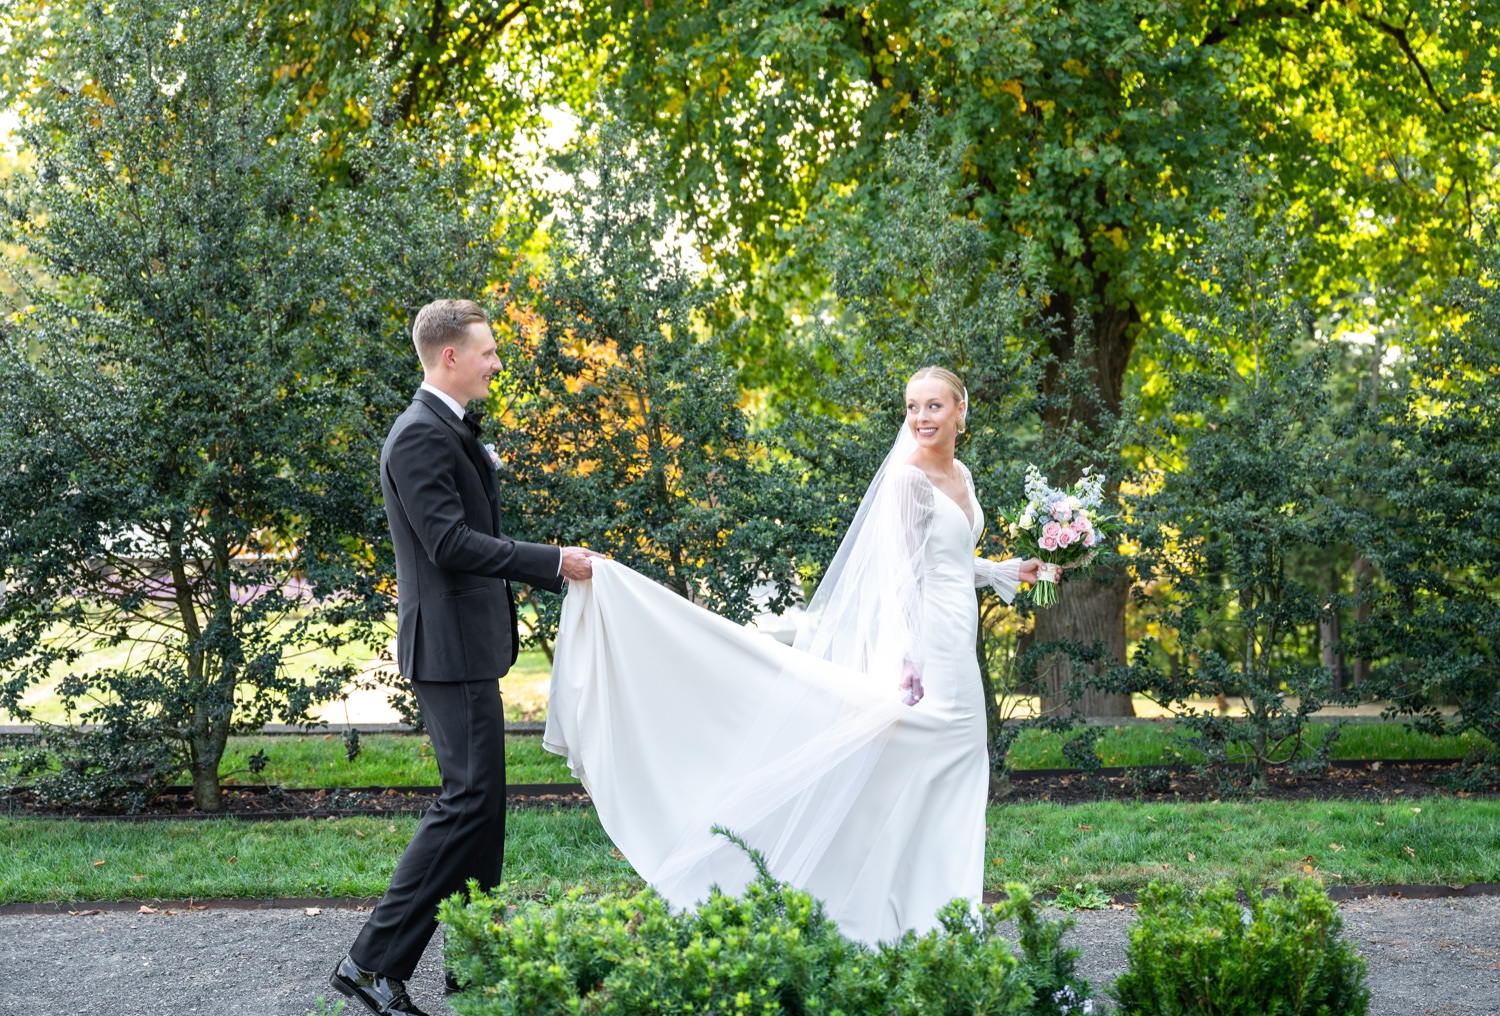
913	503
1001	576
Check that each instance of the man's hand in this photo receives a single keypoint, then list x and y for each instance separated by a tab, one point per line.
1028	569
576	563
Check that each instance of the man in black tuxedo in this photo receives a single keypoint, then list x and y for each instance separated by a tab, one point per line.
455	637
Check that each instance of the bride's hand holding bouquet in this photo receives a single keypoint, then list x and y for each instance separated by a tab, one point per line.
1062	527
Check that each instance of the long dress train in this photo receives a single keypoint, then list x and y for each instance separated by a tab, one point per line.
677	720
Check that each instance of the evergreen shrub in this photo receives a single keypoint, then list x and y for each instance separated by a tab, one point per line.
1210	955
772	949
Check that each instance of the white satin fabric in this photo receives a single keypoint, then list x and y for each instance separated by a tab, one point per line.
677	720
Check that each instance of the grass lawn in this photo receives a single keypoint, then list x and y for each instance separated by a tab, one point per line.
47	706
1160	744
317	760
1117	846
385	760
55	859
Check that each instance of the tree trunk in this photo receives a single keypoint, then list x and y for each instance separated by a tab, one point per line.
1330	630
1364	577
1087	610
207	794
207	737
1364	571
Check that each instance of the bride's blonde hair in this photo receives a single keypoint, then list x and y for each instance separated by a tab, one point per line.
951	381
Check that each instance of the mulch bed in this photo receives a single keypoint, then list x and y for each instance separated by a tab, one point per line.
1366	780
1375	780
261	802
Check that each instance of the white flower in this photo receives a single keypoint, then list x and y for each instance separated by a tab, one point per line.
493	454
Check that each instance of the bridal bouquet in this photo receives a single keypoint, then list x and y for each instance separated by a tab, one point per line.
1062	527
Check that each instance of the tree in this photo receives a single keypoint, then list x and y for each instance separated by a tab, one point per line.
1087	127
1093	129
921	287
622	421
1242	490
190	416
1433	530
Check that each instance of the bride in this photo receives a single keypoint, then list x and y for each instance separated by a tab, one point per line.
855	761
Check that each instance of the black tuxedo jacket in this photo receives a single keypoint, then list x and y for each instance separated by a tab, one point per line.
455	616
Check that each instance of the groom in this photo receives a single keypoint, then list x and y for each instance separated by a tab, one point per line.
455	637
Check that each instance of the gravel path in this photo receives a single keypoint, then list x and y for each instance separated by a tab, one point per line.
1427	957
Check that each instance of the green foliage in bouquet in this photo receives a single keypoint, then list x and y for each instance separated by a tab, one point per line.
206	346
1241	445
1210	955
1432	459
770	950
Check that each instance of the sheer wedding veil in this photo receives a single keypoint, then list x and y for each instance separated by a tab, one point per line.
866	612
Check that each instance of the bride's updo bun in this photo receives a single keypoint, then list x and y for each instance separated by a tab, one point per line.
951	381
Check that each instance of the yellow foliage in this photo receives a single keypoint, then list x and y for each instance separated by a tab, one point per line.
93	91
1013	87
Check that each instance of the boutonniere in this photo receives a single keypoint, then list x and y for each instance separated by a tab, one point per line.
494	455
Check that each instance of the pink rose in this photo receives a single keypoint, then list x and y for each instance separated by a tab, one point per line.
1091	539
1066	538
1061	512
1082	524
1051	529
1048	542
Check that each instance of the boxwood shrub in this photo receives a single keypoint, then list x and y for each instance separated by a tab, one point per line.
1210	955
771	950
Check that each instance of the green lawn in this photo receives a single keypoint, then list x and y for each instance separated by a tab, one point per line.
47	706
385	760
1115	846
317	760
1161	744
49	859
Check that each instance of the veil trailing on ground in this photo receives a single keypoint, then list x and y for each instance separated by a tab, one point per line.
866	612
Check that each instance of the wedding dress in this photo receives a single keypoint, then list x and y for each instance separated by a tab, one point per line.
677	720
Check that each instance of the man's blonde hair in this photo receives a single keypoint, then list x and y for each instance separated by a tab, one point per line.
444	323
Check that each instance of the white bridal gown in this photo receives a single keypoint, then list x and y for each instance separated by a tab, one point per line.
677	720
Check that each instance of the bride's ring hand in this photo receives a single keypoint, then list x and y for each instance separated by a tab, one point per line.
911	683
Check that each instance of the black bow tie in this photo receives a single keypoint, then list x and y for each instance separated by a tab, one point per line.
472	421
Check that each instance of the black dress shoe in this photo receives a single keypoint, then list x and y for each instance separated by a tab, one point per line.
381	995
450	984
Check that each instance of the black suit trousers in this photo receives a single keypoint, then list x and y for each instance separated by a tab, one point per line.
462	836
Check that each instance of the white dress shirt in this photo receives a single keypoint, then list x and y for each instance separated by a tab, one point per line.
448	400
